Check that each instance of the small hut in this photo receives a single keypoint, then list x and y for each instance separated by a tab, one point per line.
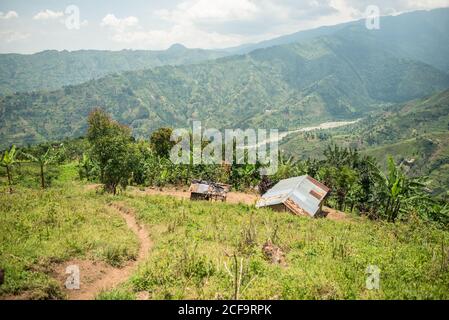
207	190
299	195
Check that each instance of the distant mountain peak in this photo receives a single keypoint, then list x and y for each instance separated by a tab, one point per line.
177	47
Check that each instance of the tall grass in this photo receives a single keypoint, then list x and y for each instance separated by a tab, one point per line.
206	251
39	229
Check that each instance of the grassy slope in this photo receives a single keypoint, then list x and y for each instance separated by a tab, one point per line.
325	259
40	228
194	240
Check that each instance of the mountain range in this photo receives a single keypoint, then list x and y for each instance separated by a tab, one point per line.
51	69
417	35
340	72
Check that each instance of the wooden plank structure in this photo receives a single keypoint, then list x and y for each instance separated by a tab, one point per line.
207	190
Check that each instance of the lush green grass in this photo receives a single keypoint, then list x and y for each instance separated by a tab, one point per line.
195	243
42	228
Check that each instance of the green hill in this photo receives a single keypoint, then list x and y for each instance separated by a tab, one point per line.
418	35
50	70
430	114
416	133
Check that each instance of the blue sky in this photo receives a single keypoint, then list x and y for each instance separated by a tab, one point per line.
32	26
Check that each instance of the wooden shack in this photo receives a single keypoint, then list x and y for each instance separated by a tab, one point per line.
207	190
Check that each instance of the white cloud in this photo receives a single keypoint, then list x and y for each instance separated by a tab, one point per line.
118	24
190	11
217	23
426	4
222	23
48	15
394	7
161	39
12	36
225	23
199	23
8	15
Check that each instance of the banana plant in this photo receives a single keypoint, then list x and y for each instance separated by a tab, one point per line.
43	160
399	191
85	165
8	160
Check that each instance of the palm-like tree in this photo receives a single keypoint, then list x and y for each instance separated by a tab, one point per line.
244	175
398	191
342	181
336	156
7	160
43	160
286	168
85	165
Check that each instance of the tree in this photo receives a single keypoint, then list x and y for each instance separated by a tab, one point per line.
42	159
341	181
398	192
8	160
84	166
244	175
160	142
112	149
336	156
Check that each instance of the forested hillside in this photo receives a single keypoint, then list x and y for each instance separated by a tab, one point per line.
416	133
324	78
52	69
418	35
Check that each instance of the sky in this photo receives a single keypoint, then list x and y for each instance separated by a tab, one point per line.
31	26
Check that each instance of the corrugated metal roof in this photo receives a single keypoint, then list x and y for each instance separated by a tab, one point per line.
304	191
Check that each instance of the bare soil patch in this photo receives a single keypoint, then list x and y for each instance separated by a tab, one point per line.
232	197
333	214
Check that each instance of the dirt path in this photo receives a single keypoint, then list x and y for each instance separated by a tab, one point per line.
95	277
232	197
333	214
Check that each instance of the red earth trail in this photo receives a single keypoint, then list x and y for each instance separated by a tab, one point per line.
96	277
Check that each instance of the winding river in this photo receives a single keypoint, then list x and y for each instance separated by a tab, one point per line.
321	126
